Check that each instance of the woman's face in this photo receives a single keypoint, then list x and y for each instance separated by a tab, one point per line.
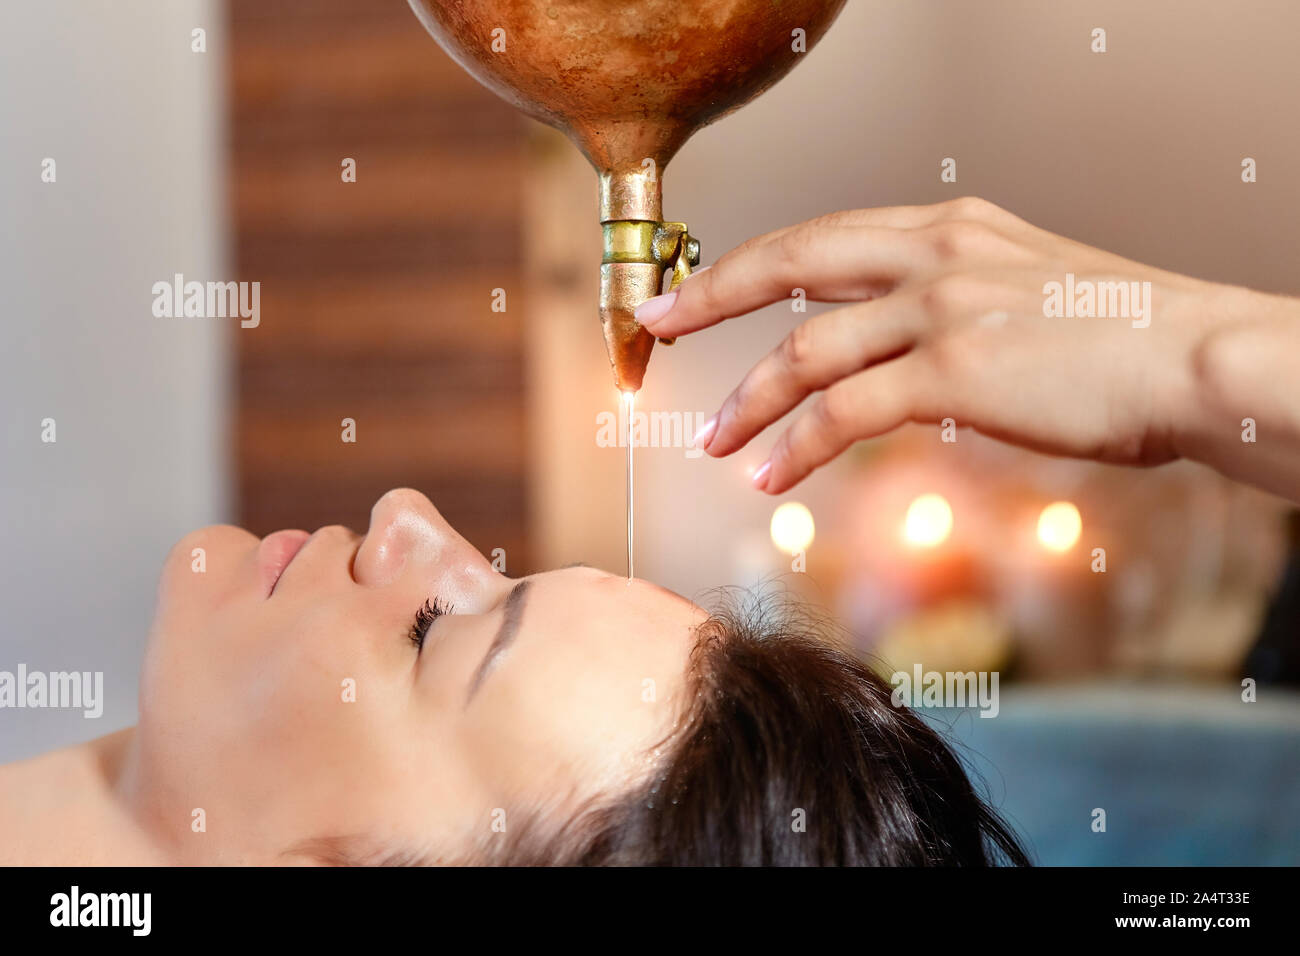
284	698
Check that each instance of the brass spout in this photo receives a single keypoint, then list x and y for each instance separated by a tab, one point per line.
638	249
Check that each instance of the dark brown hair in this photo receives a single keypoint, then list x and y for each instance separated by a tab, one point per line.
791	754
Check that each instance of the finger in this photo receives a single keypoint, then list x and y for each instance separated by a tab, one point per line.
864	405
903	217
969	209
815	355
891	217
830	263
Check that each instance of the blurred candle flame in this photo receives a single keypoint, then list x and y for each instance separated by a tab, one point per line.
928	522
792	527
1059	526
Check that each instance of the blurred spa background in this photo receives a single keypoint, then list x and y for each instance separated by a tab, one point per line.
1120	689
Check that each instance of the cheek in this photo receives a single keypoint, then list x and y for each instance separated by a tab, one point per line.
282	719
245	666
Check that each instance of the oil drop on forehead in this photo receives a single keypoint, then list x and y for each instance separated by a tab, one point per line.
629	399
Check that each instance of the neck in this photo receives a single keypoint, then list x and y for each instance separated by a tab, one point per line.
66	808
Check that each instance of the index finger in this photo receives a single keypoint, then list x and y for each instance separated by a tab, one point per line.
829	263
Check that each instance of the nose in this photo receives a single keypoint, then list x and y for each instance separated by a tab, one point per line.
409	540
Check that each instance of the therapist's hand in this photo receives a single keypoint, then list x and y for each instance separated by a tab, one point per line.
945	319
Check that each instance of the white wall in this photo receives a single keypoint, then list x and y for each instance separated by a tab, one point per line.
110	91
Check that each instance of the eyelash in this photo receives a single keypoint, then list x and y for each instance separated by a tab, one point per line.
429	612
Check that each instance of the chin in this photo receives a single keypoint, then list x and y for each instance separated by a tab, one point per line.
203	569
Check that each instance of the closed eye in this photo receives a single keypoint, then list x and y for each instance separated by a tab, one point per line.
429	612
513	612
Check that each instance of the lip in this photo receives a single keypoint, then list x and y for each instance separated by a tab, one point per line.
275	553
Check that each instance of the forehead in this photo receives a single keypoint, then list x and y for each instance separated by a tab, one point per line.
595	588
620	626
596	672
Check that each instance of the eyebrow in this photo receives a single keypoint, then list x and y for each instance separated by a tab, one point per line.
513	609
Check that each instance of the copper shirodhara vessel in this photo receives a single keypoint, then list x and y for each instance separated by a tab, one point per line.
629	81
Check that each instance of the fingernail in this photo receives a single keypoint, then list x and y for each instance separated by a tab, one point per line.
695	272
652	310
761	475
705	434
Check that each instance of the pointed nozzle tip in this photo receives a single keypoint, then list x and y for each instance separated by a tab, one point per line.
628	358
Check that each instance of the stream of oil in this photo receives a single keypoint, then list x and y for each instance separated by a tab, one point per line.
629	399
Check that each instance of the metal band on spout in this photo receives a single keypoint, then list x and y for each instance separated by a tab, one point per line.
667	245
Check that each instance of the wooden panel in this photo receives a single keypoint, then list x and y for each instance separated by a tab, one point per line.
376	296
345	65
458	241
479	438
427	314
394	188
